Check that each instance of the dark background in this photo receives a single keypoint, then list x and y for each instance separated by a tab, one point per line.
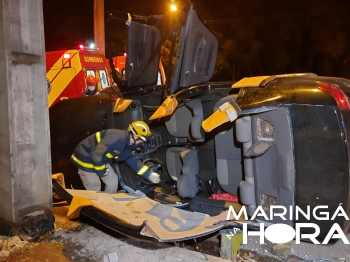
257	37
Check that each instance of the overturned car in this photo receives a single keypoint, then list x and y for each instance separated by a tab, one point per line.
271	140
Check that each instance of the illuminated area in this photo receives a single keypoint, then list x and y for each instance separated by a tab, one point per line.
88	45
173	6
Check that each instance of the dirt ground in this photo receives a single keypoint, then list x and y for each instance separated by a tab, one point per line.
74	241
34	252
48	249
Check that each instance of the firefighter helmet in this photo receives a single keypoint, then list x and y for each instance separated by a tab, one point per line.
91	80
140	129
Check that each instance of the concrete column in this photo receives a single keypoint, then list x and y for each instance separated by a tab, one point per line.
25	160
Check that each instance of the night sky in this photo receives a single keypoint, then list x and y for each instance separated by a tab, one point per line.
69	23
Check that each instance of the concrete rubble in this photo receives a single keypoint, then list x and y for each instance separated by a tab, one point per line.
9	244
76	241
90	244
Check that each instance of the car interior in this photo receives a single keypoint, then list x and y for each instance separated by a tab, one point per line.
235	158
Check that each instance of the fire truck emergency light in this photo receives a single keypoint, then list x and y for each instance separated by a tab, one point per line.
66	61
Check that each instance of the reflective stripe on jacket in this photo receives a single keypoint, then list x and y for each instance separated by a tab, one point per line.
96	150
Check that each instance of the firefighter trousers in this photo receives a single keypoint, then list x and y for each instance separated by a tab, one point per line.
91	181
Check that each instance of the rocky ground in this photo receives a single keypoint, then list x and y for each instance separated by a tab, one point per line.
76	241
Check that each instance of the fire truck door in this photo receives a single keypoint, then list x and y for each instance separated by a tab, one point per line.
62	82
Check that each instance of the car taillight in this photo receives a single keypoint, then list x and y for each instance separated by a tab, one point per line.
264	130
336	93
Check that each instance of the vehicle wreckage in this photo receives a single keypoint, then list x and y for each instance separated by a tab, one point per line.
271	140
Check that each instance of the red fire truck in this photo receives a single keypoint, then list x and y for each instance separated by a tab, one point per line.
66	71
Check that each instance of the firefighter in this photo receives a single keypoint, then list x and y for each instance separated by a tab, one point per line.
93	156
91	83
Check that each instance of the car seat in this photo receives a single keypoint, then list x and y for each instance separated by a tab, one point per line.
228	154
182	162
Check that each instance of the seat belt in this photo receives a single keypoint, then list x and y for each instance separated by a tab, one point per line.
115	166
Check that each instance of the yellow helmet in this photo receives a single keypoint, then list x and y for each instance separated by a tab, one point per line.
140	129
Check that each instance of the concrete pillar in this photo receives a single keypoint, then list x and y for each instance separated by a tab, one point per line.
25	160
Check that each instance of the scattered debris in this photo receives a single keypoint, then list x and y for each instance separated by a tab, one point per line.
74	241
9	244
252	256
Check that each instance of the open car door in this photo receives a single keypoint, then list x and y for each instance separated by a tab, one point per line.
143	52
197	53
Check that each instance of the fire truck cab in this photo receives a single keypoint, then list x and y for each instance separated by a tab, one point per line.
67	70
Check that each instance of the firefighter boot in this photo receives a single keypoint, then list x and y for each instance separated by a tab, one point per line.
110	180
90	180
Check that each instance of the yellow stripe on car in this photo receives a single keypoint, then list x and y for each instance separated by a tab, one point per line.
142	170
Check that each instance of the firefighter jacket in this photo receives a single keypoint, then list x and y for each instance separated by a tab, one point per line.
94	152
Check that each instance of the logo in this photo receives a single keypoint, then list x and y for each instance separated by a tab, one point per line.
273	232
93	59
